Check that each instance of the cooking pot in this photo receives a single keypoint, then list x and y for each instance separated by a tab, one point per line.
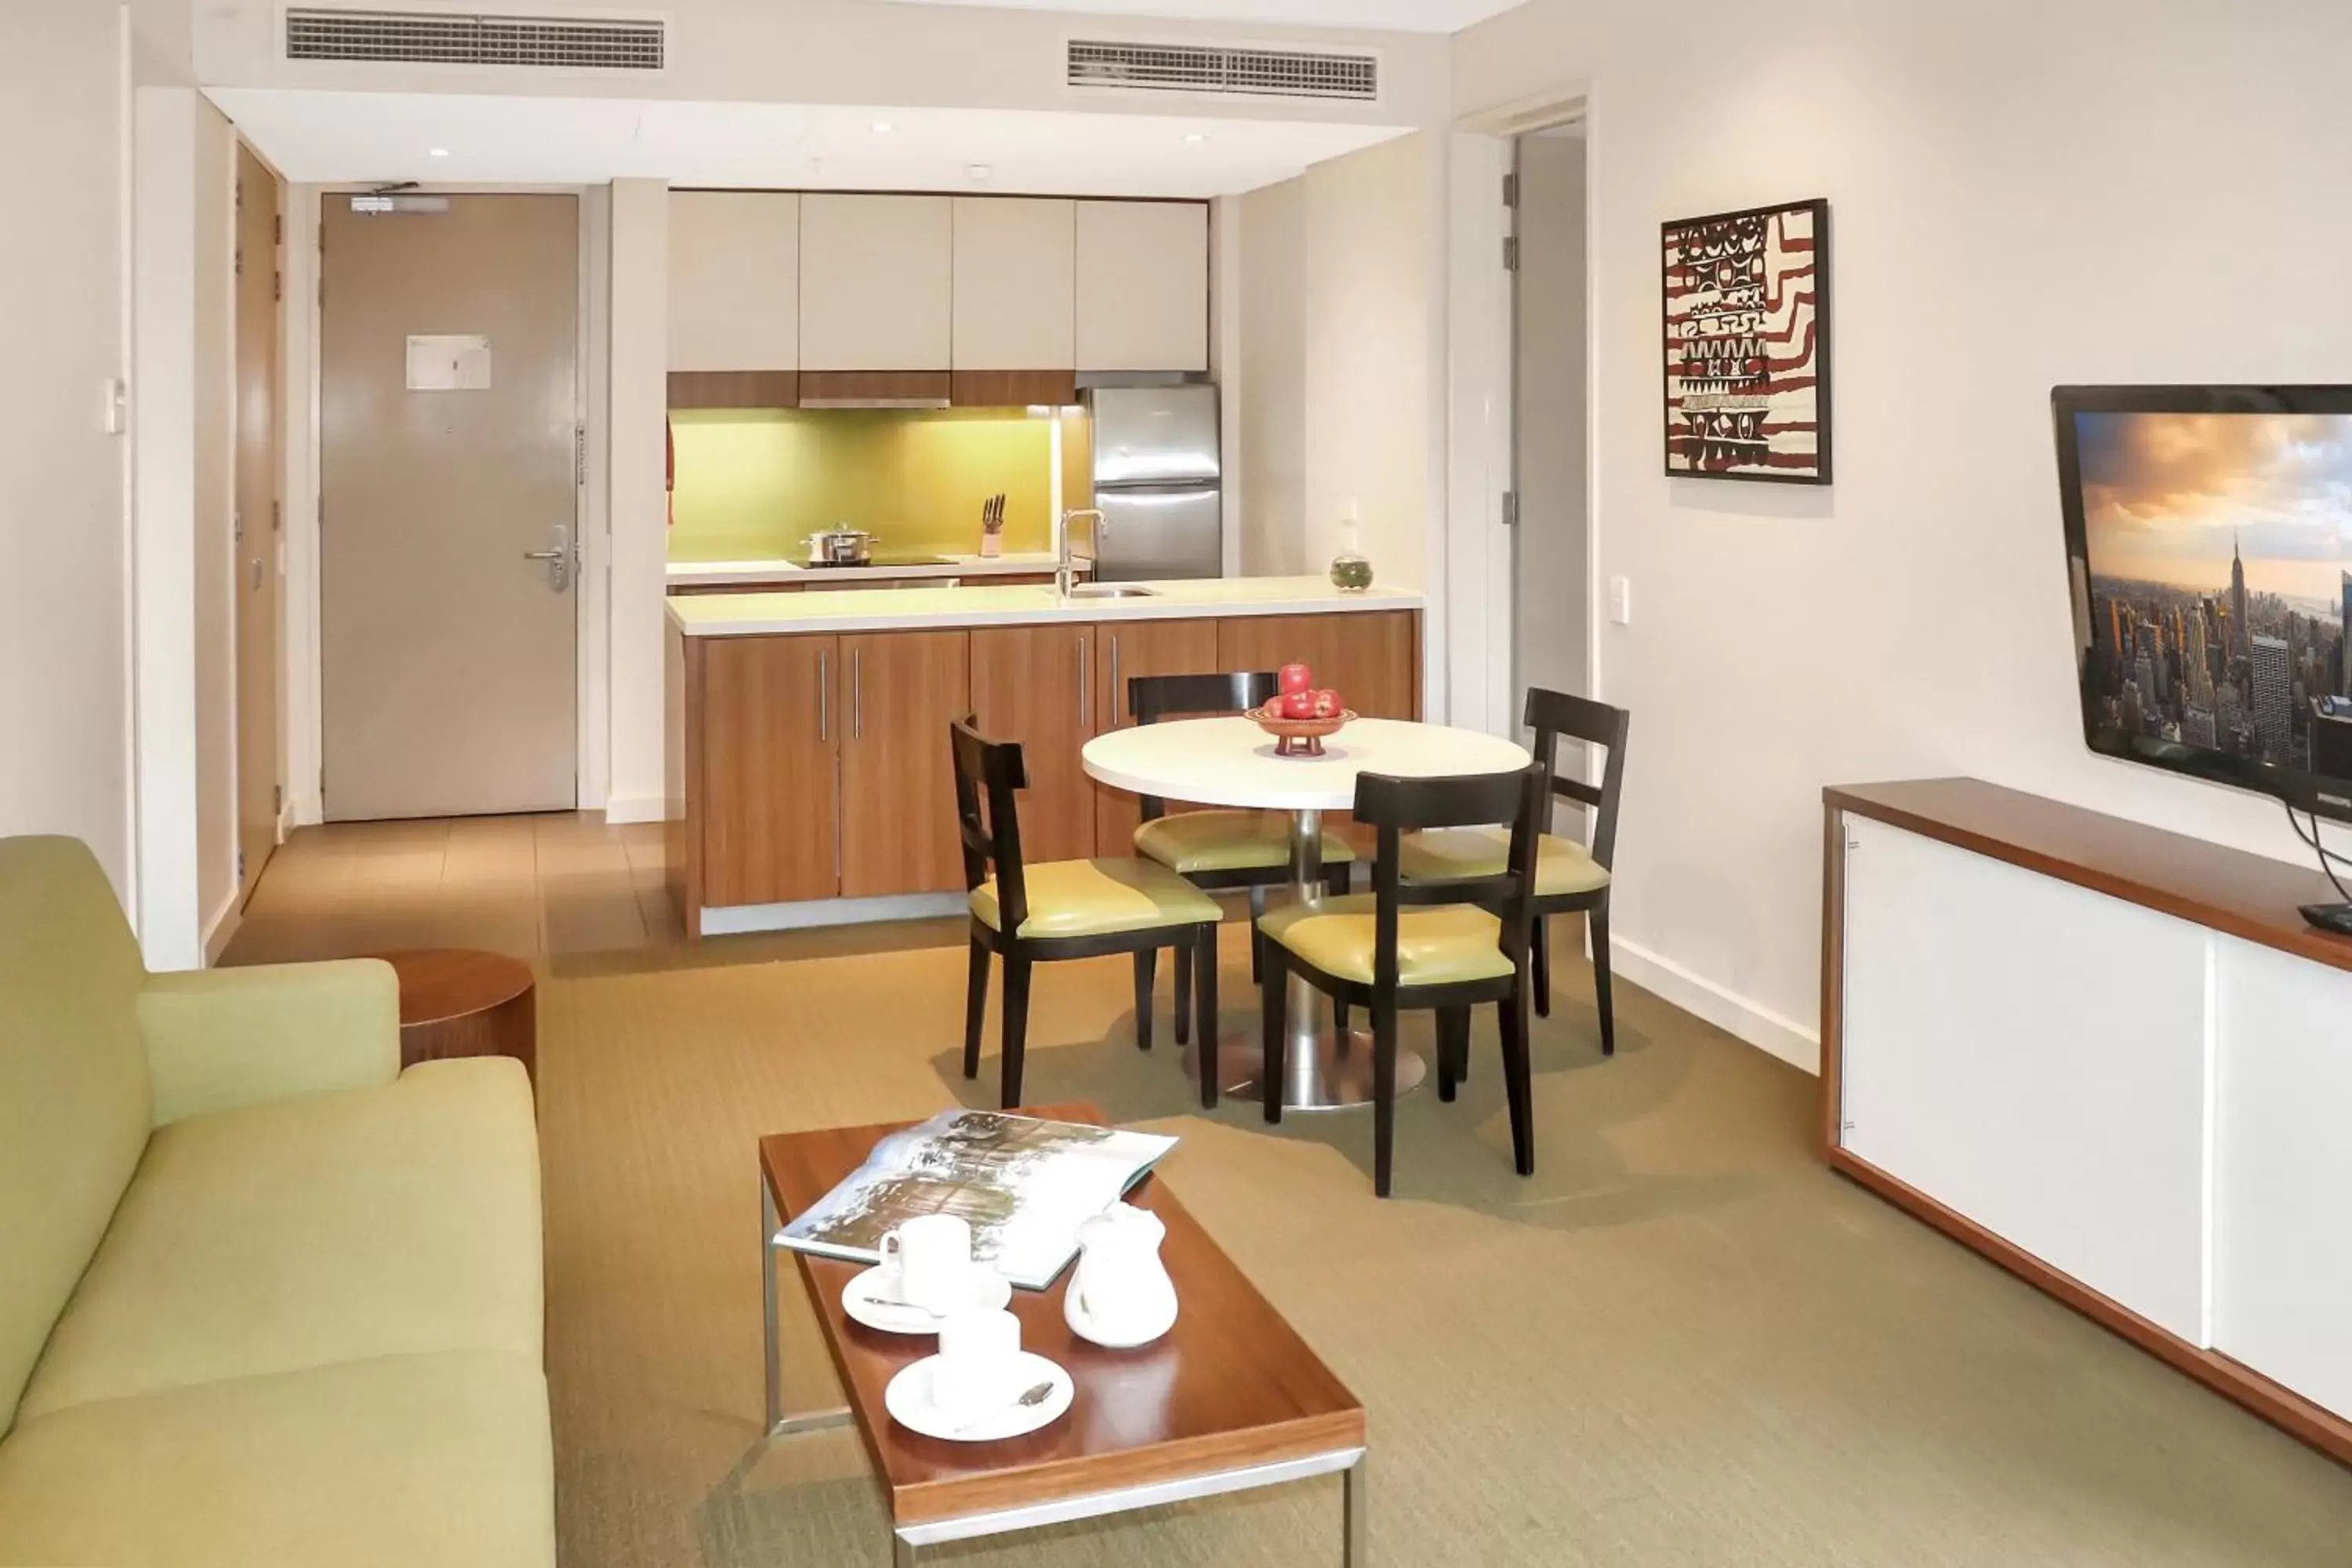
841	547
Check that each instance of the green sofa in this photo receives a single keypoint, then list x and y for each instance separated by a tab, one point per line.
264	1299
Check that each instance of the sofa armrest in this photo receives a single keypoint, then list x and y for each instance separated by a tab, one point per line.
217	1038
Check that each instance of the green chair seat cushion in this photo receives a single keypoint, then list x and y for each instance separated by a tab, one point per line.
1437	944
1196	841
1096	897
1563	865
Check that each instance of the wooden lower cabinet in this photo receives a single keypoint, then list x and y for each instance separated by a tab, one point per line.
770	772
900	693
1036	685
1371	657
1124	650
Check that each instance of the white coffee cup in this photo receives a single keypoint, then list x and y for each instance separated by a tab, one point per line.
979	1364
927	1262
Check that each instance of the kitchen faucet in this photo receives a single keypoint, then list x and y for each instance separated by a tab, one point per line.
1066	564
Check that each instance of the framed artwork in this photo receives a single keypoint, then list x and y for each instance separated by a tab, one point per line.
1748	344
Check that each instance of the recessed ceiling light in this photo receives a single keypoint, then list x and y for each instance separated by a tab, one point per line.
438	151
882	127
1195	137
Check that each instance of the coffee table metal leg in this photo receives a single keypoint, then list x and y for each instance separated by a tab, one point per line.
1358	1549
768	1224
902	1551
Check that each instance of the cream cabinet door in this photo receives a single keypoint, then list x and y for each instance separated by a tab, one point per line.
1016	284
1143	286
877	290
734	281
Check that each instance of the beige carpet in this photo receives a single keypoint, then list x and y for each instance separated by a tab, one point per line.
1682	1341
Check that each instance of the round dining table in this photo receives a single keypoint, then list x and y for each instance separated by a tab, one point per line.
1231	762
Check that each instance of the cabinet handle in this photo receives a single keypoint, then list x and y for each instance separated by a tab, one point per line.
858	694
824	697
1115	687
1083	684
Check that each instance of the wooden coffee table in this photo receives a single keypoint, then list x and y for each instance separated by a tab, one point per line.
1230	1399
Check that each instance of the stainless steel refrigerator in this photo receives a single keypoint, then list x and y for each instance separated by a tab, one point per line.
1158	482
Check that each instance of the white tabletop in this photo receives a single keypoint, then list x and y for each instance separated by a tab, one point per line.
1231	760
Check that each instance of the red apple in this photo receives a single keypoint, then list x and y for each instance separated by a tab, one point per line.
1297	677
1327	704
1298	705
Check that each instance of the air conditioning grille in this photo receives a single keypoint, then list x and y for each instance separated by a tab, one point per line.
1254	72
428	37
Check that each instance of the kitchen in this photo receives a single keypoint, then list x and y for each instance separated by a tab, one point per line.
987	429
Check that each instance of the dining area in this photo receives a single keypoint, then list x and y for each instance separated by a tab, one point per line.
1391	866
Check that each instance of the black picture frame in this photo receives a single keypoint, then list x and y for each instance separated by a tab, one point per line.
1817	209
2301	789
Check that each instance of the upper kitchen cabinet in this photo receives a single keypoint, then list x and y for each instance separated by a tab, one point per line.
1015	286
734	281
1143	286
876	282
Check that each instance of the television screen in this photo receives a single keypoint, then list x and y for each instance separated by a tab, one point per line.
2211	531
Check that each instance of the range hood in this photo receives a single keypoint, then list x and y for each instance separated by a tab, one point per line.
874	403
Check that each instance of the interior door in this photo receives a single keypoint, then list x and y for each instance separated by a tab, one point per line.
448	354
259	521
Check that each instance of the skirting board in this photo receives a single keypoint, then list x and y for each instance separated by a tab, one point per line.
737	919
1733	1014
620	808
224	926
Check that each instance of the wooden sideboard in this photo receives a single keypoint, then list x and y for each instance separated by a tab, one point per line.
2111	1058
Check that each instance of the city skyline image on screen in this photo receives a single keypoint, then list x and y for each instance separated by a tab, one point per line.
2218	552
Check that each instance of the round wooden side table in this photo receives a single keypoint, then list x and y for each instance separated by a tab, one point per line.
461	1002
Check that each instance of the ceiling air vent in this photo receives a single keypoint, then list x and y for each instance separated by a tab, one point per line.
454	38
1253	72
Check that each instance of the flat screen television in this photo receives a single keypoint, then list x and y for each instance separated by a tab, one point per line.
2210	536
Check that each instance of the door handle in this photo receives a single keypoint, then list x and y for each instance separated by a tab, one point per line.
858	694
559	559
824	698
1114	680
1084	683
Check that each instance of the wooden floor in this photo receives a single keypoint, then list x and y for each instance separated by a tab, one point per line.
539	889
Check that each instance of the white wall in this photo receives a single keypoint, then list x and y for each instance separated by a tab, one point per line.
638	360
1268	392
2022	194
64	627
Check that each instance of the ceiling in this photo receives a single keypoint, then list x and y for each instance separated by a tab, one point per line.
1376	16
337	137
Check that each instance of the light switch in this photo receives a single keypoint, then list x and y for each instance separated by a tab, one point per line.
1620	600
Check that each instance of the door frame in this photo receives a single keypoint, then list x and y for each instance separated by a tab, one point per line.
301	614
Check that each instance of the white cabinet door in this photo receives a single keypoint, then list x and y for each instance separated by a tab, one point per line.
1015	283
2031	1056
1143	286
877	290
2283	1171
734	281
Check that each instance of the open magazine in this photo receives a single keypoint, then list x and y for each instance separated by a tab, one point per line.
1024	1185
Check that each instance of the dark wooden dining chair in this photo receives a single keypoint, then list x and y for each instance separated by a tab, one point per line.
1570	877
1061	909
1446	948
1219	849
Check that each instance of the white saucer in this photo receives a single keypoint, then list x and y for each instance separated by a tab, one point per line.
866	1299
909	1400
1075	1314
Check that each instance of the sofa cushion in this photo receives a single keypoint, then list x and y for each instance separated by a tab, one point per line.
390	1463
326	1229
74	1109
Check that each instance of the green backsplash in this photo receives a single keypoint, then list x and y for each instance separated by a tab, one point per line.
753	484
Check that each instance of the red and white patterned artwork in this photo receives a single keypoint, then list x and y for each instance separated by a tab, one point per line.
1747	309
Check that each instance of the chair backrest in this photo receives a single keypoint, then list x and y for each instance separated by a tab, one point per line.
1151	697
75	1103
1555	715
987	775
1395	807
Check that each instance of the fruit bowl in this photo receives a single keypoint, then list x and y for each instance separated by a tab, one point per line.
1299	737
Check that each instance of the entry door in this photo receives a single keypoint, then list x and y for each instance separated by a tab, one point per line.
448	416
258	518
1551	619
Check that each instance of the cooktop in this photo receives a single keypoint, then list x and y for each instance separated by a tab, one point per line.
887	560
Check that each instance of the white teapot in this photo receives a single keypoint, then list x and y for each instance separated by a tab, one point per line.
1120	1295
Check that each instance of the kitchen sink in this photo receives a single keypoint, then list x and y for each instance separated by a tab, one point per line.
1112	591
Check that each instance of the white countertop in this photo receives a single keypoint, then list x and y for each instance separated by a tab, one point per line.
1232	762
718	573
917	609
